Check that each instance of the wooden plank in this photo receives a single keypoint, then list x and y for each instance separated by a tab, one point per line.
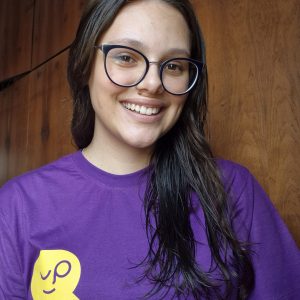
16	21
4	136
253	53
55	25
18	127
50	112
35	116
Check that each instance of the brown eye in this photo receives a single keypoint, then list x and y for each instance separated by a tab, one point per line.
124	59
174	68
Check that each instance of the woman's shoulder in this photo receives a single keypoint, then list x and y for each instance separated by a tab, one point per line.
247	198
235	177
50	177
241	184
54	169
36	185
274	254
230	168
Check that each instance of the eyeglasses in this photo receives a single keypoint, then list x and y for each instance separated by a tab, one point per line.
127	67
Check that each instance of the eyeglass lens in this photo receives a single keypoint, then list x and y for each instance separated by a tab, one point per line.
127	67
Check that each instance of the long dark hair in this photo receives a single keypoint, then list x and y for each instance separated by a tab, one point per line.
182	164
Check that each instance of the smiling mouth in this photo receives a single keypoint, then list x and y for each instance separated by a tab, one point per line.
49	292
141	109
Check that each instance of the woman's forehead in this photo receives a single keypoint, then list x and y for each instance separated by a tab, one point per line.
151	23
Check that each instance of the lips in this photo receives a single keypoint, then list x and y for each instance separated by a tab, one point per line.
141	109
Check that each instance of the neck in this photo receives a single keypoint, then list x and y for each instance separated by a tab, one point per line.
116	159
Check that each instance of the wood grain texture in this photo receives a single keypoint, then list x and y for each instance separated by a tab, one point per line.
253	54
55	24
14	129
50	112
4	135
35	115
16	21
18	128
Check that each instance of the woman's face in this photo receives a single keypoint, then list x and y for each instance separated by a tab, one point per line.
137	116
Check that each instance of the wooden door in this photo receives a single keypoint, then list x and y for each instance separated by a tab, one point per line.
55	24
253	54
16	21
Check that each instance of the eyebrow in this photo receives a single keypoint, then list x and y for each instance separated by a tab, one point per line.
140	46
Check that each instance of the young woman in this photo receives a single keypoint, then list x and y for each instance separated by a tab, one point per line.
143	210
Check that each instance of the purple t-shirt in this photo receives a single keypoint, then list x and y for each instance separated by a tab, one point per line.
72	231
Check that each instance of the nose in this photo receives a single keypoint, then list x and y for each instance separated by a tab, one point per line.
151	82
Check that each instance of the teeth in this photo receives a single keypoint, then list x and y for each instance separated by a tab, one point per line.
137	108
143	110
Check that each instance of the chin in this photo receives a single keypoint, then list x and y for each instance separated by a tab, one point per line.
140	139
141	143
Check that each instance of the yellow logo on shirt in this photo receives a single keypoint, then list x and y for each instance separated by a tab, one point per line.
55	276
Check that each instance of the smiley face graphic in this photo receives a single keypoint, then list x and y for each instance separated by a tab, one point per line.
55	276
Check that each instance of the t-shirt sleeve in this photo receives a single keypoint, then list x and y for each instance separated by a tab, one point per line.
11	235
275	255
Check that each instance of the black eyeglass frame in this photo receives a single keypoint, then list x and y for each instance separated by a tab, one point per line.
105	48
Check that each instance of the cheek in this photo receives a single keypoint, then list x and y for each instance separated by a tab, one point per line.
179	103
175	112
97	82
102	90
178	108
